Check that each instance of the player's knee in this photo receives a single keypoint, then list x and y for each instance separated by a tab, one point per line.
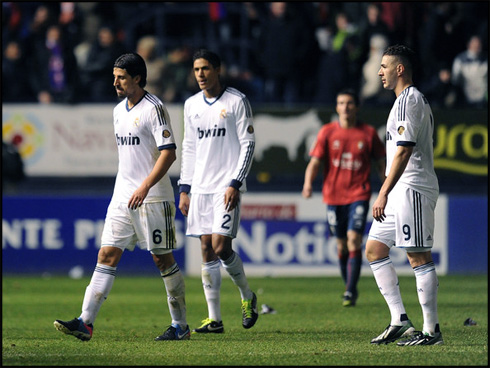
222	247
376	251
109	256
417	259
222	253
163	261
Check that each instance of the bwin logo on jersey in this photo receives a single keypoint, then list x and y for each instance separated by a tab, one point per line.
206	133
127	141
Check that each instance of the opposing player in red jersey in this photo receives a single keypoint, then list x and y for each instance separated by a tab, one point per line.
345	149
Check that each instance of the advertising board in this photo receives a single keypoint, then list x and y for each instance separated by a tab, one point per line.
280	235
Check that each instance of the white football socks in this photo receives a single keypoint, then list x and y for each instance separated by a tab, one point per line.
175	287
211	284
387	281
234	266
427	287
97	291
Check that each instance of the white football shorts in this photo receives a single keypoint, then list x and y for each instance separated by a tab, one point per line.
409	222
151	226
207	215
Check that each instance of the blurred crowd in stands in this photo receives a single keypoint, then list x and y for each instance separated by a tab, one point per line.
281	53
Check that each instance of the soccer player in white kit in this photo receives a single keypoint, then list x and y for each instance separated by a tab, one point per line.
404	208
142	208
217	153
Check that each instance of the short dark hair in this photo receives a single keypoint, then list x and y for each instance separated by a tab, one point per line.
350	92
210	56
134	65
404	54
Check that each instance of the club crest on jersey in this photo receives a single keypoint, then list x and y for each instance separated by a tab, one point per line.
360	145
401	129
166	133
222	115
250	129
136	122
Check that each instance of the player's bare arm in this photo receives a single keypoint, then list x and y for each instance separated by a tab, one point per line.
167	157
310	174
381	169
398	166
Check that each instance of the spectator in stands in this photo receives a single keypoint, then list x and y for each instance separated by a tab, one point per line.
178	76
345	29
441	37
97	76
332	74
333	70
470	73
15	81
400	19
43	18
369	26
70	21
372	91
323	22
11	21
155	64
439	89
93	16
283	49
53	69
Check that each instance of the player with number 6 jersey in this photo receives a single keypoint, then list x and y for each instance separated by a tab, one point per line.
142	208
141	133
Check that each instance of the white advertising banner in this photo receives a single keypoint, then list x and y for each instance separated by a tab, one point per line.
78	140
63	140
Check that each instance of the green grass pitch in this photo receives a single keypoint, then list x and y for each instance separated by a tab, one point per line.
310	328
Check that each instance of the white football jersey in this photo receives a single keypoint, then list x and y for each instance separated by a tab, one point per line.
219	142
411	123
141	133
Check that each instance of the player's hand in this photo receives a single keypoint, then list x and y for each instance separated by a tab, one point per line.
232	197
379	208
307	192
184	203
138	197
